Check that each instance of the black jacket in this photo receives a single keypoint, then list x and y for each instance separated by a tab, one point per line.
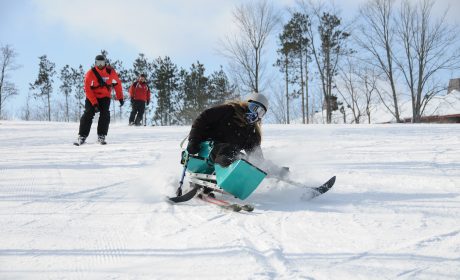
221	125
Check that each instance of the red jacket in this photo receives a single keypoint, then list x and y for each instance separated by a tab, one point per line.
139	91
93	90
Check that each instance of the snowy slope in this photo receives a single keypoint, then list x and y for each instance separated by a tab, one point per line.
448	104
98	212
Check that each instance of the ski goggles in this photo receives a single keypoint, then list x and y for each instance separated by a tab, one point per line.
256	108
256	111
100	63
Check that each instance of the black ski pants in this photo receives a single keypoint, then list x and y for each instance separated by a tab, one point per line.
138	111
87	117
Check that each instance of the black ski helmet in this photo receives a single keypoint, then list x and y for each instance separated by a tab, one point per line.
100	57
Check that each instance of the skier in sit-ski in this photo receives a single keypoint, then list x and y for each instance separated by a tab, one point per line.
234	127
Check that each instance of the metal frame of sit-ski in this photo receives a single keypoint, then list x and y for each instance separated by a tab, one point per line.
208	181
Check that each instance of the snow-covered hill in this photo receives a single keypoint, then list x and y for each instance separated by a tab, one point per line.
98	212
441	105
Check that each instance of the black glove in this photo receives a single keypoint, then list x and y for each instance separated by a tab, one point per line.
96	108
193	147
148	102
121	102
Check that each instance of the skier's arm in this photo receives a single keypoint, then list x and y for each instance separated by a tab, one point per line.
89	81
253	148
255	153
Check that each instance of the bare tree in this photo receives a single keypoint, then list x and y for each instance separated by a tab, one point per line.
430	46
255	21
376	36
26	111
125	79
278	105
7	64
294	50
357	87
369	78
349	88
285	62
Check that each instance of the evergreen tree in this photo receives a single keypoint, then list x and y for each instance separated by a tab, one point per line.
78	83
333	40
43	85
219	87
66	88
125	79
196	92
105	53
298	27
125	75
285	62
166	83
181	104
141	66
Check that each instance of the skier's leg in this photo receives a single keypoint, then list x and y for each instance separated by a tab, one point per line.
86	119
133	112
104	116
273	170
140	112
256	157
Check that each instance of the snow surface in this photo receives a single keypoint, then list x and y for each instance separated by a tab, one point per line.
98	212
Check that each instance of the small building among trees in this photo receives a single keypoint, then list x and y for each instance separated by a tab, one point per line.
454	84
332	103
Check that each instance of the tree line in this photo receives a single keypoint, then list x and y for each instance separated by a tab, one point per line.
392	50
178	94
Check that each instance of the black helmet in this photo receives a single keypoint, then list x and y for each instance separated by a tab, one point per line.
100	57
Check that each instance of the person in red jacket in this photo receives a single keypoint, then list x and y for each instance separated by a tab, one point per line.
100	80
140	95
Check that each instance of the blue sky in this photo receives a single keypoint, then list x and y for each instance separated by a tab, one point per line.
74	32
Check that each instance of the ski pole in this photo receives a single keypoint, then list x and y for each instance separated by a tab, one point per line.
146	109
184	161
181	182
